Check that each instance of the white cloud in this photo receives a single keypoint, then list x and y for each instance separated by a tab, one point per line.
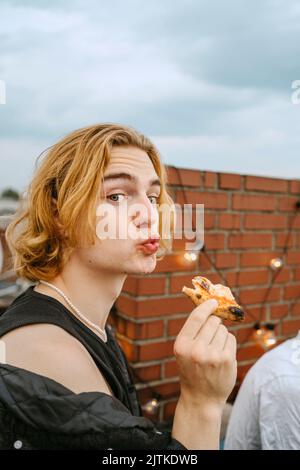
210	81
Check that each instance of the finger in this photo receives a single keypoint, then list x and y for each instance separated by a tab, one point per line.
197	318
208	330
220	338
231	345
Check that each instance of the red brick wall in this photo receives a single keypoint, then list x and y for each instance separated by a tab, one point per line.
247	221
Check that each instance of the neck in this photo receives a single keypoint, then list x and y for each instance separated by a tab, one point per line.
93	293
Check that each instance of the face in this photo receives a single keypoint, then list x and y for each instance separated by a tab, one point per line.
127	215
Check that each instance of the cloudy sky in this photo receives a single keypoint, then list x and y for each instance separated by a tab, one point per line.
210	81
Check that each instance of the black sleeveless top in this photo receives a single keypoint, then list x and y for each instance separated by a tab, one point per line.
34	307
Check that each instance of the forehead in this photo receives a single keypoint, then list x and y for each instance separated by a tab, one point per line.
132	160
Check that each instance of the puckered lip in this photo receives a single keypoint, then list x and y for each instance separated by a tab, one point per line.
153	239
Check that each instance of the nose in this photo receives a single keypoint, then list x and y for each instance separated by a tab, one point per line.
145	214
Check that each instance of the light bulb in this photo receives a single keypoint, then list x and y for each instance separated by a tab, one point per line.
190	256
259	330
151	406
269	338
265	335
276	264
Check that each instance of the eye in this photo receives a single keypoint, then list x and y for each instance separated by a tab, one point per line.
153	199
116	197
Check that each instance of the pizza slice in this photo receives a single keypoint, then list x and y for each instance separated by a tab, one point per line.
204	289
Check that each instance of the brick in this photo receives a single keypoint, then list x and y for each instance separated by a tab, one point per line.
171	369
174	326
230	181
214	241
167	389
147	373
284	275
250	352
245	278
153	351
151	286
294	221
295	309
246	202
190	177
130	285
288	203
284	240
145	330
119	323
245	335
230	221
173	263
211	200
226	260
295	187
183	177
177	282
180	244
292	292
293	257
290	327
255	296
253	313
126	305
209	221
144	286
242	371
297	274
295	240
130	349
204	263
214	277
250	240
164	306
257	259
279	311
265	221
273	185
210	179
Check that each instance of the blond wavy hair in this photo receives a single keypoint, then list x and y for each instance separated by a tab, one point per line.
60	201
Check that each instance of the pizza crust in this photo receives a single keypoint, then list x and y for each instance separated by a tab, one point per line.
204	289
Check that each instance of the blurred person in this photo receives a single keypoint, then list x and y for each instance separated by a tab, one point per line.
266	412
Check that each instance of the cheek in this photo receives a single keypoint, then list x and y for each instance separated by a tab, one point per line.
110	251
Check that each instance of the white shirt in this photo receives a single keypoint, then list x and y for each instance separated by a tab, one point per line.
266	412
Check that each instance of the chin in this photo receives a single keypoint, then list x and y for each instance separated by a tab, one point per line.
145	266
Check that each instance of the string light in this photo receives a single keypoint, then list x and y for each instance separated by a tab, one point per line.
265	334
152	405
269	338
276	264
190	256
259	331
193	253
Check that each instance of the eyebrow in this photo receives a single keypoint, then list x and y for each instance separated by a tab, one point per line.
128	177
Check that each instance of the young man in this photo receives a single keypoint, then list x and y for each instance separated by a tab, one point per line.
60	354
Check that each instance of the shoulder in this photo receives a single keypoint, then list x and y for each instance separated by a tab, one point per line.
49	350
